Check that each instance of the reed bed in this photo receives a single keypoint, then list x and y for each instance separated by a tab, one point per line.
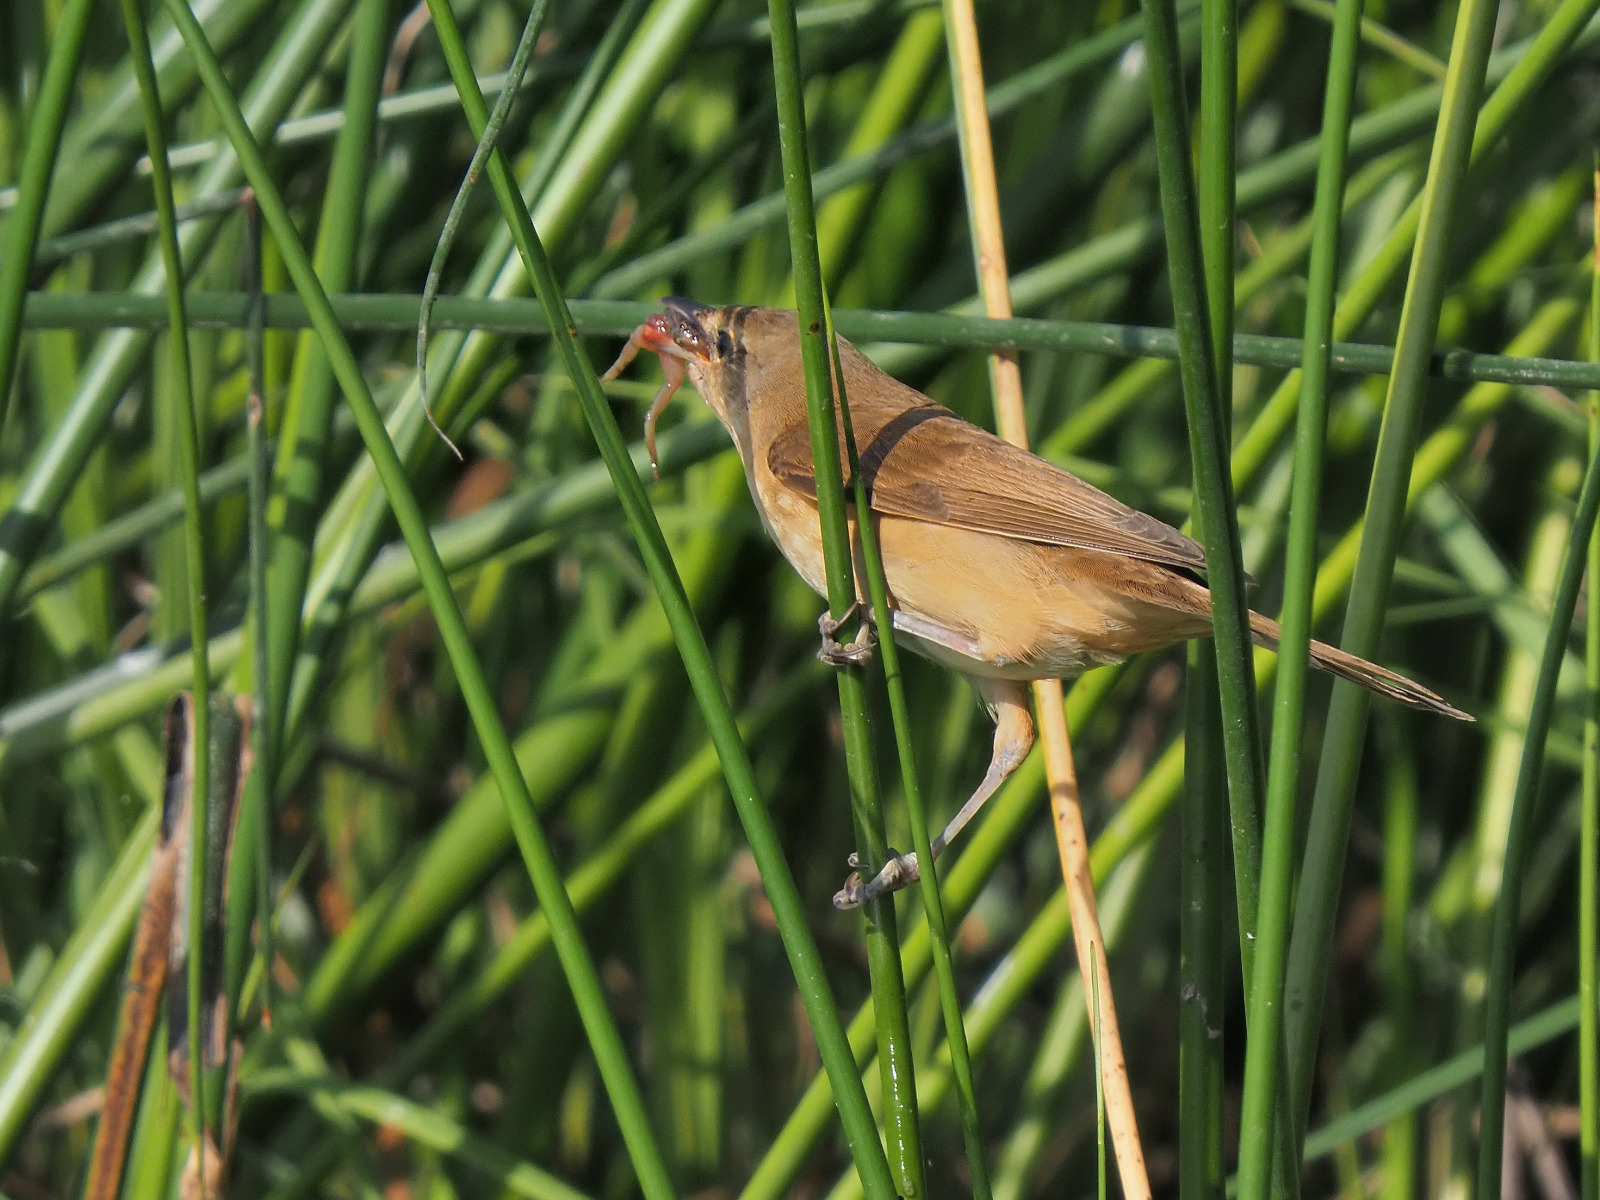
538	796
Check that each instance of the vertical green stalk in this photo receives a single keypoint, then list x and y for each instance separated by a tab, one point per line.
1328	830
827	1027
883	943
1219	87
1202	935
1589	822
1208	439
38	164
308	408
932	902
1497	997
1197	304
1203	883
1262	1084
1399	886
193	544
604	1038
262	788
1300	567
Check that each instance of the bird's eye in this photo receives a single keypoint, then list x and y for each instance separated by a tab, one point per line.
724	344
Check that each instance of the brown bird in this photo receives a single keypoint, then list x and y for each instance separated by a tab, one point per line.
1000	565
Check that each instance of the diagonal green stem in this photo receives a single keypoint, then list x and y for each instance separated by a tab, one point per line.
781	892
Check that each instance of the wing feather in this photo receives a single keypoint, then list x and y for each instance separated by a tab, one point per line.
924	463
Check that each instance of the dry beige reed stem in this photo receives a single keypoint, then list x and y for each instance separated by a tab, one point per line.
983	200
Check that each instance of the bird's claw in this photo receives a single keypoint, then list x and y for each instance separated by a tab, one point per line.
853	653
900	871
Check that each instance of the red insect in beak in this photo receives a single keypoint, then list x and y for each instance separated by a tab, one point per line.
674	337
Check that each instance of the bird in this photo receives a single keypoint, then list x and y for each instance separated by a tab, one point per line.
1000	565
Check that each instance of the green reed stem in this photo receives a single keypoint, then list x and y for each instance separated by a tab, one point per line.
133	527
256	812
194	554
1208	442
1203	873
916	811
1543	1027
1380	37
1300	571
362	313
134	228
897	1071
1589	819
307	418
1204	890
38	165
458	206
1502	964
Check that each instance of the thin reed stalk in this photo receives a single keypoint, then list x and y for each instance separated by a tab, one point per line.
1005	381
896	1070
1589	821
1328	830
33	183
194	548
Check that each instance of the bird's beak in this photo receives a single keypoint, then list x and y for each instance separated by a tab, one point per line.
684	328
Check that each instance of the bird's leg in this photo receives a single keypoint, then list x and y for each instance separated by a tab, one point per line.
855	652
1007	701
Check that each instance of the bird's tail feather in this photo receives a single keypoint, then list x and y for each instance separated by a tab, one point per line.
1374	678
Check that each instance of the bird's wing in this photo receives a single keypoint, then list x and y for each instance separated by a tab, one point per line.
925	463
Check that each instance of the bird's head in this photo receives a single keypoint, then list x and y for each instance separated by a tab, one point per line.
728	353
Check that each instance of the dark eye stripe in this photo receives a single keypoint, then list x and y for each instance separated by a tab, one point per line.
724	344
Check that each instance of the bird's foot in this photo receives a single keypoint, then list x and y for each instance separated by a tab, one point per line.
853	653
900	871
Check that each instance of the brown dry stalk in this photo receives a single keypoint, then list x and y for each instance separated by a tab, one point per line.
141	1005
159	954
983	199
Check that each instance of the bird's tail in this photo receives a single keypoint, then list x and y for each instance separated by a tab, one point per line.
1359	671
